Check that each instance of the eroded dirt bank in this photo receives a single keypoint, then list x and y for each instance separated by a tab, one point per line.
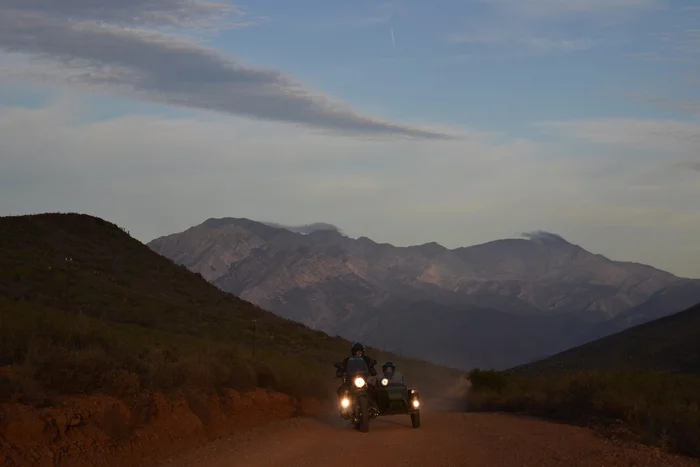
104	431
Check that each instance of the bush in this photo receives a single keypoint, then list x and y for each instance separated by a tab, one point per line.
658	408
487	381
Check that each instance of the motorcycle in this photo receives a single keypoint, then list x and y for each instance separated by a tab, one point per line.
357	402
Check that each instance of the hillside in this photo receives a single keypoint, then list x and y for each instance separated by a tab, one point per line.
493	305
85	308
642	383
669	344
663	303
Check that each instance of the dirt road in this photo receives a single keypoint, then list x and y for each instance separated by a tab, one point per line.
444	439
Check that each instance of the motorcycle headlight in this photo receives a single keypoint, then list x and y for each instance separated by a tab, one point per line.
345	403
416	404
385	382
359	382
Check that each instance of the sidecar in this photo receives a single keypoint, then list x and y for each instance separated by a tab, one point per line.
395	398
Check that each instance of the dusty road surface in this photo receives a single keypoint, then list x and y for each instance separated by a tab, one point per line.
444	439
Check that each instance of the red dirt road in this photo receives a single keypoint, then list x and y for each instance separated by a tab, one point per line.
444	439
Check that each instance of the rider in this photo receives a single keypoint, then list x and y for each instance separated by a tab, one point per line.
357	350
390	373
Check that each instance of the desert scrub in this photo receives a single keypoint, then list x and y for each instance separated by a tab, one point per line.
660	408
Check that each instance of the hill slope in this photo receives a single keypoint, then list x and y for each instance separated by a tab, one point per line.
643	382
492	305
671	344
84	307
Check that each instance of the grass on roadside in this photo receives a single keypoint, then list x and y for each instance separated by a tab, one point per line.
658	408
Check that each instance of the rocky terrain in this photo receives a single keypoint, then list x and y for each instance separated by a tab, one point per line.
497	304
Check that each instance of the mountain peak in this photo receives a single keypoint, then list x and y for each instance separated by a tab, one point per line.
430	248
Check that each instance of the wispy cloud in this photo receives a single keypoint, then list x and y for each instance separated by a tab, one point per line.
382	13
680	44
558	8
104	45
536	23
659	57
178	13
679	48
661	99
692	165
670	136
542	44
160	174
561	45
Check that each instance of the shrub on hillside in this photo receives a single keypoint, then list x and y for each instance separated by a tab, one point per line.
659	408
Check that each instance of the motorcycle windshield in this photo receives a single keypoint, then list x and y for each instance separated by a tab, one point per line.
394	378
357	366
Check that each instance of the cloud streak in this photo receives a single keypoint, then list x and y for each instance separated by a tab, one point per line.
675	136
552	8
688	106
87	44
691	165
533	23
307	228
543	237
179	13
158	175
541	44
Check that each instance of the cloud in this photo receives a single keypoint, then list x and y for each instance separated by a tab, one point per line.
541	25
157	175
672	136
655	57
679	49
307	228
522	39
661	99
679	45
382	14
163	68
561	45
556	8
540	236
177	13
691	165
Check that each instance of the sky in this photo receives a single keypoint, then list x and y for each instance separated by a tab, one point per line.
455	121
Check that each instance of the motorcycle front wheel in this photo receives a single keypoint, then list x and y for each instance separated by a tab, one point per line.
363	422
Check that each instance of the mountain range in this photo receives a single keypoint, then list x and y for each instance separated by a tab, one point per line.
494	305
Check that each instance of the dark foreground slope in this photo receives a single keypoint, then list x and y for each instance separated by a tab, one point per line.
647	377
668	344
85	308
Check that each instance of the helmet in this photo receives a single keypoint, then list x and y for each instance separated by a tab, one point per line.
357	347
389	364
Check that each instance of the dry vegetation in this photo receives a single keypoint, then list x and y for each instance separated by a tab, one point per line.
654	407
85	308
644	381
